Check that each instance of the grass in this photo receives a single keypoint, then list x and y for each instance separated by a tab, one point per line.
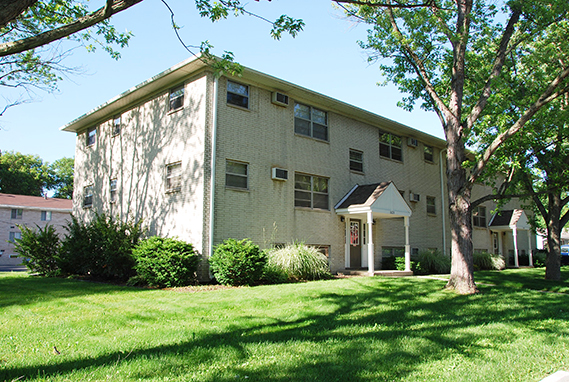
353	329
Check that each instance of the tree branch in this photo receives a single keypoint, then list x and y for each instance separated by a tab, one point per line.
548	95
429	3
11	9
498	65
82	23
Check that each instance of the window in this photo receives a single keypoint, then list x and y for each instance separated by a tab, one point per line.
431	206
390	146
310	191
88	196
310	121
428	153
113	193
237	94
356	160
17	213
174	177
14	235
236	174
91	136
479	216
116	125
176	98
46	216
393	251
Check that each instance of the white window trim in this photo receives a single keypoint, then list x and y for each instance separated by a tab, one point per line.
311	121
246	175
248	96
168	177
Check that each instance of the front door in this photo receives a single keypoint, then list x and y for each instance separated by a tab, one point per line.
355	244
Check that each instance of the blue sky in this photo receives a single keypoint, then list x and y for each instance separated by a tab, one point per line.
325	58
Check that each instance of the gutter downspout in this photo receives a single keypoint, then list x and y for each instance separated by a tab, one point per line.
213	154
443	209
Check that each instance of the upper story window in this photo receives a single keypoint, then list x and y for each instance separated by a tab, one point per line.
17	213
311	191
390	146
13	236
236	174
91	136
174	177
431	205
88	196
479	216
428	153
310	121
45	216
117	125
113	190
237	94
356	160
176	98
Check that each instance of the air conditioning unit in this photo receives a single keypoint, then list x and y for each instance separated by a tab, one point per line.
414	197
412	142
279	173
279	99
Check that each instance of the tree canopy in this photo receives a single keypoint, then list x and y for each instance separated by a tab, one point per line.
455	58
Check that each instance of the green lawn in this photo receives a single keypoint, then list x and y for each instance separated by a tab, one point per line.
354	329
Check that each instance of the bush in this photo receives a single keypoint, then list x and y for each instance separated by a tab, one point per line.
539	258
488	261
101	248
299	262
273	275
237	262
165	262
433	262
39	249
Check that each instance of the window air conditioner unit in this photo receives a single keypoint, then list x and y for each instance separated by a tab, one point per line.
279	99
414	197
279	173
412	142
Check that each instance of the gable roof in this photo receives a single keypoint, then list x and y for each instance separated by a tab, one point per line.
382	199
508	219
35	202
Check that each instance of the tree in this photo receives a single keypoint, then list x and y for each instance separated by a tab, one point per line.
24	174
30	57
452	56
62	170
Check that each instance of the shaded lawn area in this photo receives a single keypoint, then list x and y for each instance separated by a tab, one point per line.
353	329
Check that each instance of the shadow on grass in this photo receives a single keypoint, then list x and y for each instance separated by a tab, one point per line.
24	289
373	331
533	279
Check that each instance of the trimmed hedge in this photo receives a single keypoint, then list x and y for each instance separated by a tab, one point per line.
237	263
165	262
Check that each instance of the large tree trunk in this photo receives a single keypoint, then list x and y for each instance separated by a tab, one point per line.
553	259
462	269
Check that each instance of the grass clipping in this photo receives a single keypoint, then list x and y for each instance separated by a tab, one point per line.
299	261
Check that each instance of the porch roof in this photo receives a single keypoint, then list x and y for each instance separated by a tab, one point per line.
507	220
382	199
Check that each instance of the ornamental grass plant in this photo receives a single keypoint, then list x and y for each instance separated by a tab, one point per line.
299	262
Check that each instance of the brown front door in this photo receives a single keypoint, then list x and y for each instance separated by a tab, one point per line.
355	244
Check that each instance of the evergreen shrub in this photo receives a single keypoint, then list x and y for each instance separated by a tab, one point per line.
165	262
39	249
237	263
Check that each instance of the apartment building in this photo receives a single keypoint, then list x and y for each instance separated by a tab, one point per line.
23	210
205	159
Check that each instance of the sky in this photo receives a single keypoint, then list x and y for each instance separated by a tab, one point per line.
324	57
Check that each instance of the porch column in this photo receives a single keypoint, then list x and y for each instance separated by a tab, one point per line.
501	245
407	246
529	246
370	260
516	260
347	244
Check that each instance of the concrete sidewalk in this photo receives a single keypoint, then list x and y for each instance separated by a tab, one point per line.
13	268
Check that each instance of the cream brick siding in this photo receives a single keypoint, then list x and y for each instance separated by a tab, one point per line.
151	137
31	216
261	136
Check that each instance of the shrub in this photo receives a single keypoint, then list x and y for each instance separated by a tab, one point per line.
487	261
299	262
100	248
388	263
165	262
433	262
237	262
273	275
539	259
39	249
